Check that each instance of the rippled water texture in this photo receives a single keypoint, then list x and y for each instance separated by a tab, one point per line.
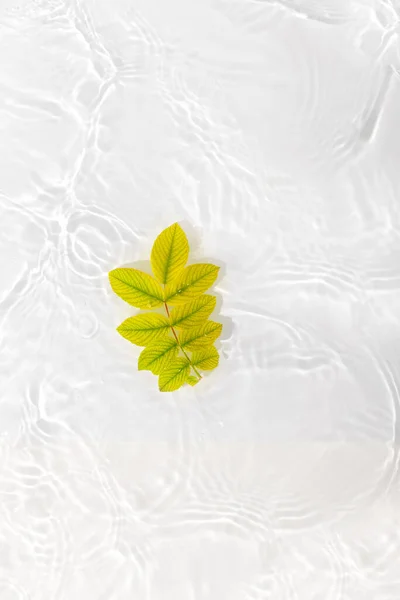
271	131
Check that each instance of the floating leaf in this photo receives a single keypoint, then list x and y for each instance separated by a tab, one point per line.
144	328
137	288
206	359
156	357
174	375
193	281
184	330
169	254
200	337
193	313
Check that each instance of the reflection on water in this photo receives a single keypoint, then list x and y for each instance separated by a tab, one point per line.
270	129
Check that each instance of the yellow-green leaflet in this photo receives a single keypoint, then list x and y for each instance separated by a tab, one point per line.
193	313
206	359
144	328
169	254
174	375
200	337
193	281
137	288
156	357
178	344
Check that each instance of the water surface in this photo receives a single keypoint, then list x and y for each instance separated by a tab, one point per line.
271	131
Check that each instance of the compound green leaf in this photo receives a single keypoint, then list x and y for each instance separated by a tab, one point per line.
137	288
206	359
192	282
169	254
156	357
200	337
174	375
144	328
193	313
183	288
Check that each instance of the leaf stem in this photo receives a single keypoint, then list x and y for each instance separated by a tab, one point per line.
179	344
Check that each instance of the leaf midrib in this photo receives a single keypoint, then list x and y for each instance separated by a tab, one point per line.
211	355
174	376
190	284
169	255
148	328
163	354
160	298
199	309
203	334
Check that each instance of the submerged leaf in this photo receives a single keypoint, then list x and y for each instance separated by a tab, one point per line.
192	380
206	359
156	357
192	282
144	328
137	288
169	254
193	313
200	337
174	375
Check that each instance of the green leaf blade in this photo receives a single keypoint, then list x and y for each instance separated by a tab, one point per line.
169	254
192	282
144	329
193	313
206	359
200	337
137	288
158	355
192	380
174	375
